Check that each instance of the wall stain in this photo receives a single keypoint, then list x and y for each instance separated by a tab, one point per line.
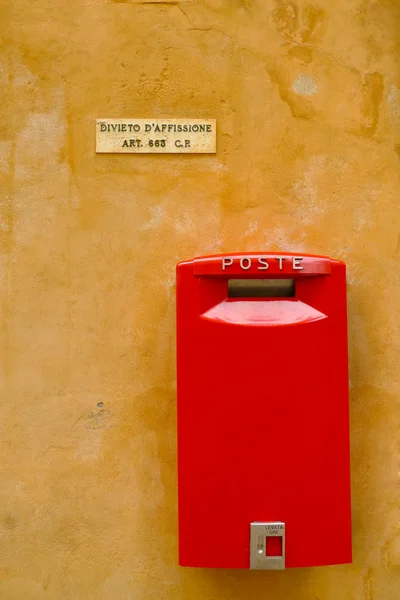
368	585
46	582
286	17
303	54
304	23
397	149
9	522
372	93
369	89
313	24
101	419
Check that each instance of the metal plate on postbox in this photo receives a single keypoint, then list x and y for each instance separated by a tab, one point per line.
259	554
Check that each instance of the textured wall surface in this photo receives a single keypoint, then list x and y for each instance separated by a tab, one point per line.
307	99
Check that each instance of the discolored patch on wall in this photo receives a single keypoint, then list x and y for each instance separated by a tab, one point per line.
286	17
313	24
327	92
302	22
9	522
304	85
371	98
303	54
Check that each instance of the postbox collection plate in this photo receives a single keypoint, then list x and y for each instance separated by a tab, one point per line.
259	532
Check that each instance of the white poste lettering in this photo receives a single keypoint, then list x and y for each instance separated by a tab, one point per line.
280	260
248	264
245	262
263	262
296	263
227	261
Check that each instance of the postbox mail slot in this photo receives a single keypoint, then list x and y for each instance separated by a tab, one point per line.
260	288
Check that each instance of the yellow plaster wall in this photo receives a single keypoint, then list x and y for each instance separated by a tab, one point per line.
307	98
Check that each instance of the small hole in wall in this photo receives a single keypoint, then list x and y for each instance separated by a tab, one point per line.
100	404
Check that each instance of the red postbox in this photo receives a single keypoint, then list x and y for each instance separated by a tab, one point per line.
263	415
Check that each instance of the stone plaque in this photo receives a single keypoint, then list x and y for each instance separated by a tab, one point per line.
161	136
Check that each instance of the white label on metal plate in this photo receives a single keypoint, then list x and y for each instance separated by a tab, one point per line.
158	136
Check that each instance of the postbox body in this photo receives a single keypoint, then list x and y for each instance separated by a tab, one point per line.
263	415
